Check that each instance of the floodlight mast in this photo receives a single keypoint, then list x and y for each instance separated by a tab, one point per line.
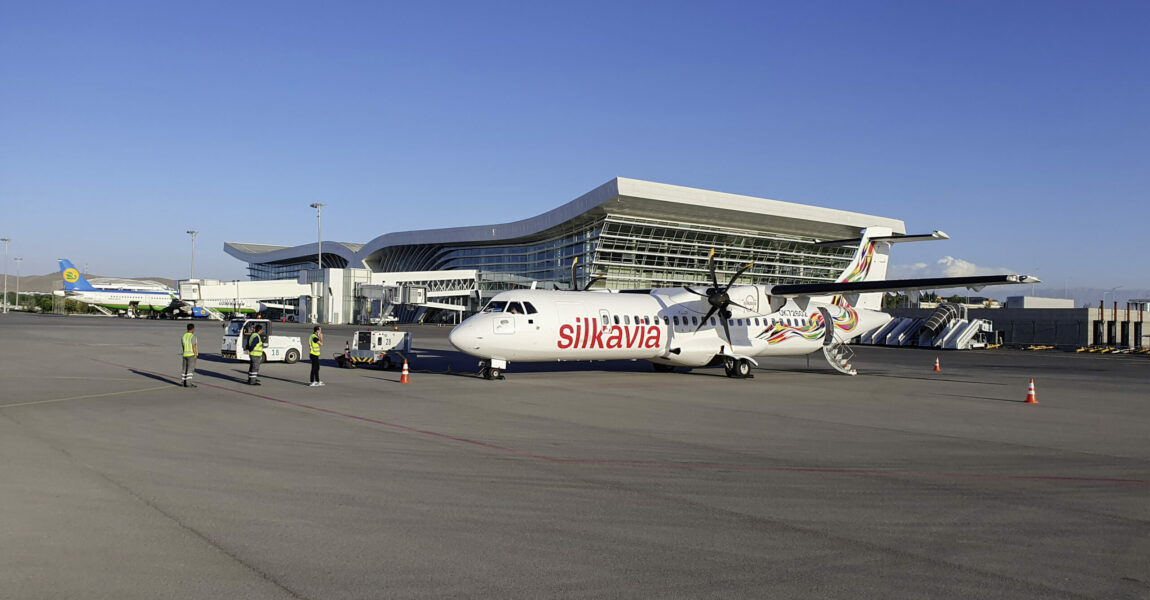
192	273
318	206
17	259
5	240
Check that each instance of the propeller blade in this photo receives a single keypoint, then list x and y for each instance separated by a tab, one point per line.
593	281
573	263
704	321
694	292
728	332
556	285
739	272
711	267
738	305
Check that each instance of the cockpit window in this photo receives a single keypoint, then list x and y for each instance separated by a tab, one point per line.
514	308
495	306
530	308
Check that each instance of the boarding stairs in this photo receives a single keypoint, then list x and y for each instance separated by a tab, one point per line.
103	310
839	356
947	327
215	314
932	332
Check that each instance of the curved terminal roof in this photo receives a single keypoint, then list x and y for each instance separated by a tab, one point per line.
620	196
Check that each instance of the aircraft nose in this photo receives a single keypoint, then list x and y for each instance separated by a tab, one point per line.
463	336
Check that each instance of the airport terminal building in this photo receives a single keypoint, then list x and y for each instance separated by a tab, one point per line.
637	234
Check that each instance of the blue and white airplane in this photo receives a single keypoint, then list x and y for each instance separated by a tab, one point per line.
130	297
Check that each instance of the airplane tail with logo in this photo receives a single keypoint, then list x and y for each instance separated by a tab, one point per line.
870	262
73	280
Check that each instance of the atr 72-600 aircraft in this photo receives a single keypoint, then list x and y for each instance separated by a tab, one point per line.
728	325
130	297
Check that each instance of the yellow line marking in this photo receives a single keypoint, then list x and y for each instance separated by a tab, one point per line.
161	387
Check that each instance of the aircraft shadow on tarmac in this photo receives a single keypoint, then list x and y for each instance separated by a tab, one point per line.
455	363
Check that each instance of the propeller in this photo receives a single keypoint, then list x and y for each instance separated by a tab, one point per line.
717	296
590	282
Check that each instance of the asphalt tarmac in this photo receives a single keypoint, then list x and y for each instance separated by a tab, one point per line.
568	480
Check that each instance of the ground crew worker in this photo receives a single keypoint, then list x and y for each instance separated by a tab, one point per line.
314	342
191	350
255	354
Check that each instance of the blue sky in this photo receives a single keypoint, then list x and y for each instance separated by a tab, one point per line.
1019	128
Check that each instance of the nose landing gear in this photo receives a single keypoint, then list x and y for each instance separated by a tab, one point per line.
492	369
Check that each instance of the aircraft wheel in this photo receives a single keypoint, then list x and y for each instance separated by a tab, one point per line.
729	366
743	368
492	373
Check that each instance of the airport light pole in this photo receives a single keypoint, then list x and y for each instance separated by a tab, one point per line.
1108	292
18	259
5	240
193	232
318	206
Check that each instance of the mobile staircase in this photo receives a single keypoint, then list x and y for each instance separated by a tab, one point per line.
948	327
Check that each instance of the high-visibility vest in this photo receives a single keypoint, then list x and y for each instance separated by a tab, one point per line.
189	341
257	344
313	343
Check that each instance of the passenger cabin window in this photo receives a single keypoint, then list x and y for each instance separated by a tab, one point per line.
616	319
530	308
495	306
606	321
675	320
694	320
626	319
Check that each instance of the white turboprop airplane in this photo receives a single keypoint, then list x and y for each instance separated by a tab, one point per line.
728	325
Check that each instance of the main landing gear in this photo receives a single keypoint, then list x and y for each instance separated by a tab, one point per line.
739	368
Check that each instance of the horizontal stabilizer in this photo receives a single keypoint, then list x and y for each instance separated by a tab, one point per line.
893	285
892	239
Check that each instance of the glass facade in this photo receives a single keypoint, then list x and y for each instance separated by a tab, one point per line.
291	270
636	252
632	252
504	266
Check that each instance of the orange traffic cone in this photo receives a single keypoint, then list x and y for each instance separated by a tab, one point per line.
1031	397
936	367
404	378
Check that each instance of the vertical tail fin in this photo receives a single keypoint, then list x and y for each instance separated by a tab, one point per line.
870	262
73	280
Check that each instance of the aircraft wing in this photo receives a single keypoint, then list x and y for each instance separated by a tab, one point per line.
893	285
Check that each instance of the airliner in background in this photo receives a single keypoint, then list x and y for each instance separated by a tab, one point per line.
729	325
130	297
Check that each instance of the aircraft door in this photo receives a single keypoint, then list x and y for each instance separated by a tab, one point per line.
828	326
